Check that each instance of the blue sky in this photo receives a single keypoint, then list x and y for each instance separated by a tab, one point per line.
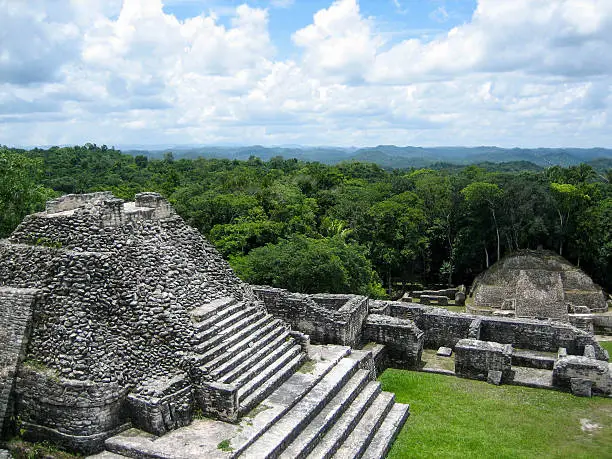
398	19
527	73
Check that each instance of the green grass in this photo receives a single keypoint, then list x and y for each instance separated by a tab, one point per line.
460	418
225	445
20	449
607	345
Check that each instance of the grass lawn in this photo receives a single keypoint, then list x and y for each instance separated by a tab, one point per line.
462	418
607	345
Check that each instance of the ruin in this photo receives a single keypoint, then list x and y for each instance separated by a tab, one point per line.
118	317
123	329
536	284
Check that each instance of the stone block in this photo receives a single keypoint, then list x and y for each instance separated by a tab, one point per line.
579	367
581	387
460	298
444	351
162	405
589	351
403	339
474	359
218	400
494	377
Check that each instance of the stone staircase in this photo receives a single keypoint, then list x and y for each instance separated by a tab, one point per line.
331	407
240	351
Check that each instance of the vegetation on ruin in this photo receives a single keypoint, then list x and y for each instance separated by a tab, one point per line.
461	418
225	445
355	227
21	449
607	345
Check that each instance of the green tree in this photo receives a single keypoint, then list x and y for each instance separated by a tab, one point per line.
569	200
303	264
484	195
20	189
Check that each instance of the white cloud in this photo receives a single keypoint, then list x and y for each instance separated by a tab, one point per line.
522	72
339	43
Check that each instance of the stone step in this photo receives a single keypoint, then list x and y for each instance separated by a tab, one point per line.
102	455
307	440
346	423
271	377
250	361
387	432
229	324
321	360
286	429
221	341
361	436
211	309
231	347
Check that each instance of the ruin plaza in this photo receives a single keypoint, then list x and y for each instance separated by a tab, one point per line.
124	333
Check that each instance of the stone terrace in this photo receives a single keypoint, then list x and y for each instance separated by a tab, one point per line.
132	318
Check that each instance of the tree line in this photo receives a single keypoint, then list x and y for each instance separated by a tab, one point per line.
349	227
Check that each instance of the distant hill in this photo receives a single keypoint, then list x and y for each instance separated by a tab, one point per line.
394	157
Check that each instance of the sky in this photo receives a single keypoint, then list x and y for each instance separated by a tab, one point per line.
510	73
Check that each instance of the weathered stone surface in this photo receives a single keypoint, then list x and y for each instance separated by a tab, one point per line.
577	367
540	284
16	307
402	338
494	377
118	283
446	328
444	351
475	359
581	387
326	318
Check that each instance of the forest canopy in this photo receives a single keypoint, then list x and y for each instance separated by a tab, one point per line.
350	227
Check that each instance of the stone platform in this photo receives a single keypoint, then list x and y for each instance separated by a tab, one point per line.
330	406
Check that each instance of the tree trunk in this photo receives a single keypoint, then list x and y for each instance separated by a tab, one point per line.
486	256
497	232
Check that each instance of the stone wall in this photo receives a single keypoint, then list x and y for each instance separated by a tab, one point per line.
162	404
446	328
540	294
583	375
483	360
78	415
327	318
402	338
16	308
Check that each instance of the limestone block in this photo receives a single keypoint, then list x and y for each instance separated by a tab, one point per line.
162	404
403	339
494	377
581	387
578	367
589	351
444	351
474	359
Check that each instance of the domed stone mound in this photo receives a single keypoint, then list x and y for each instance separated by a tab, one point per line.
537	284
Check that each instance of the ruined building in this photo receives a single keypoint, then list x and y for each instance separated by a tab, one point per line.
122	329
537	284
117	314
